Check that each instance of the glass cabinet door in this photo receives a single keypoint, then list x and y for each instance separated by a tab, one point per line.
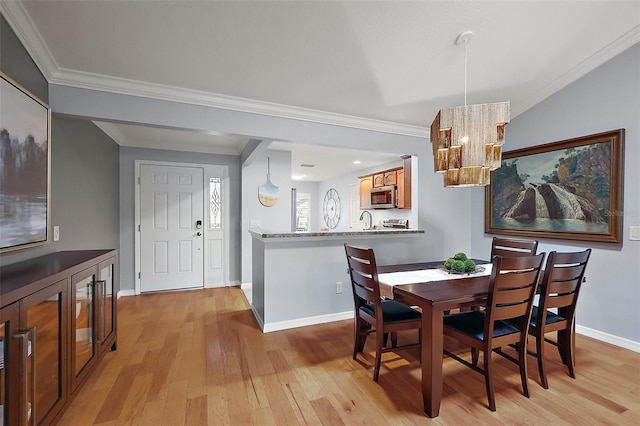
9	401
82	321
106	317
43	314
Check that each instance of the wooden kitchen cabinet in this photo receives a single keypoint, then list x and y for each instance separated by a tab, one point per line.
403	195
56	317
390	178
378	180
366	184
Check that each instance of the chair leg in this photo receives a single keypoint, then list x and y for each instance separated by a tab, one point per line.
360	335
376	367
394	339
385	337
488	380
566	352
522	361
474	356
540	355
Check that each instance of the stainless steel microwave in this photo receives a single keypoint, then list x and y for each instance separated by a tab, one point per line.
383	197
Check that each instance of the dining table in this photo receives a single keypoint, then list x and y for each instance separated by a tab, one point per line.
435	291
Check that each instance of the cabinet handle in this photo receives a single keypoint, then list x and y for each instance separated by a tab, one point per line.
101	286
27	413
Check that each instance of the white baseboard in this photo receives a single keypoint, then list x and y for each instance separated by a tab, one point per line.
125	293
303	322
608	338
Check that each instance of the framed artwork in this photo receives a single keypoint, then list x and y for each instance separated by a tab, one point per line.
570	189
25	158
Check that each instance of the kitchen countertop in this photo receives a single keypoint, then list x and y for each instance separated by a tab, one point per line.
301	236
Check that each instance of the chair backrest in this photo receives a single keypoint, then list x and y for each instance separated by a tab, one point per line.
513	285
509	247
563	276
364	274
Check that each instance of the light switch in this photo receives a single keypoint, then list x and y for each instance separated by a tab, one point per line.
56	233
634	233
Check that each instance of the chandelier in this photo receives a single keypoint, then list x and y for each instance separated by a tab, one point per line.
467	140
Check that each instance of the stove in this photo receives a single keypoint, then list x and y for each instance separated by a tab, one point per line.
395	223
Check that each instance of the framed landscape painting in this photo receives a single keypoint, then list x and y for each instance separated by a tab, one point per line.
25	128
570	189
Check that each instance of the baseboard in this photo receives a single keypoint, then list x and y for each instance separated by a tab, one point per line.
303	322
124	293
258	318
608	338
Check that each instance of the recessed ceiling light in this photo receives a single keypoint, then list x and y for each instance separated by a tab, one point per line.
298	177
356	162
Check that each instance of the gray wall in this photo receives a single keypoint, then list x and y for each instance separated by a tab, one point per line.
127	204
84	169
605	99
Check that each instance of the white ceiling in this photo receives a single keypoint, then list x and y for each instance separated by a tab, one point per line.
383	64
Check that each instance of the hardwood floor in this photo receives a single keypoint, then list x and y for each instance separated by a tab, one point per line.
199	358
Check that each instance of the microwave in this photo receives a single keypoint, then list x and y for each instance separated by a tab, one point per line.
383	197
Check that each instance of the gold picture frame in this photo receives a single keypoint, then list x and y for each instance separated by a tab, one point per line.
25	167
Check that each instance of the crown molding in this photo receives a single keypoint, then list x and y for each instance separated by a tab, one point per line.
35	45
84	80
598	58
27	33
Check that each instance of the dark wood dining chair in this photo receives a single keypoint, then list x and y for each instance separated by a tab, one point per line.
510	247
559	288
374	314
504	322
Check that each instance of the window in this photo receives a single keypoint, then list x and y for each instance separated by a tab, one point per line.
215	203
303	211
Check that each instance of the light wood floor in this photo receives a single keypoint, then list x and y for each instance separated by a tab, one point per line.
199	358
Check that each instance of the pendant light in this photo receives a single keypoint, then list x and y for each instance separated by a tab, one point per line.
467	140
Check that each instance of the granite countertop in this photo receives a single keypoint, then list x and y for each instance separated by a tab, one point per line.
269	235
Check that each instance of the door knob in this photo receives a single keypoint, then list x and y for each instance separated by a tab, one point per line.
199	234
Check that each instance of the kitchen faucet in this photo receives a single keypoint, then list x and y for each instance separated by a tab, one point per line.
370	223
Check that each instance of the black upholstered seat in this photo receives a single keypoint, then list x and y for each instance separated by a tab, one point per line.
505	321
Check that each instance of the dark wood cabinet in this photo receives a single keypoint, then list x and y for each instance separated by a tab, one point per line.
57	317
44	315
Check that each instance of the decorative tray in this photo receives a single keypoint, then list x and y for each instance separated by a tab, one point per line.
451	271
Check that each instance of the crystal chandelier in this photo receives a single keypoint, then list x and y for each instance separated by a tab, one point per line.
467	140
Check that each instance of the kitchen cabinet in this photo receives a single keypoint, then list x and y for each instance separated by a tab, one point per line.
366	184
400	177
57	316
403	195
390	178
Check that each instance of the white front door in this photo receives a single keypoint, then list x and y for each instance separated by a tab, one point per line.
171	227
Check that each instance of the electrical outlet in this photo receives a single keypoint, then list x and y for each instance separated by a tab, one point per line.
634	233
56	233
339	287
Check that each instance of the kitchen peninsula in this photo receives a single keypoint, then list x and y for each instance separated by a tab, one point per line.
300	278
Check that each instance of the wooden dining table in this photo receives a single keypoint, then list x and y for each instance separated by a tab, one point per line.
434	298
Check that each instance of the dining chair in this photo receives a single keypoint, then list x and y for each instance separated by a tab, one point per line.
372	312
510	247
505	321
559	288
